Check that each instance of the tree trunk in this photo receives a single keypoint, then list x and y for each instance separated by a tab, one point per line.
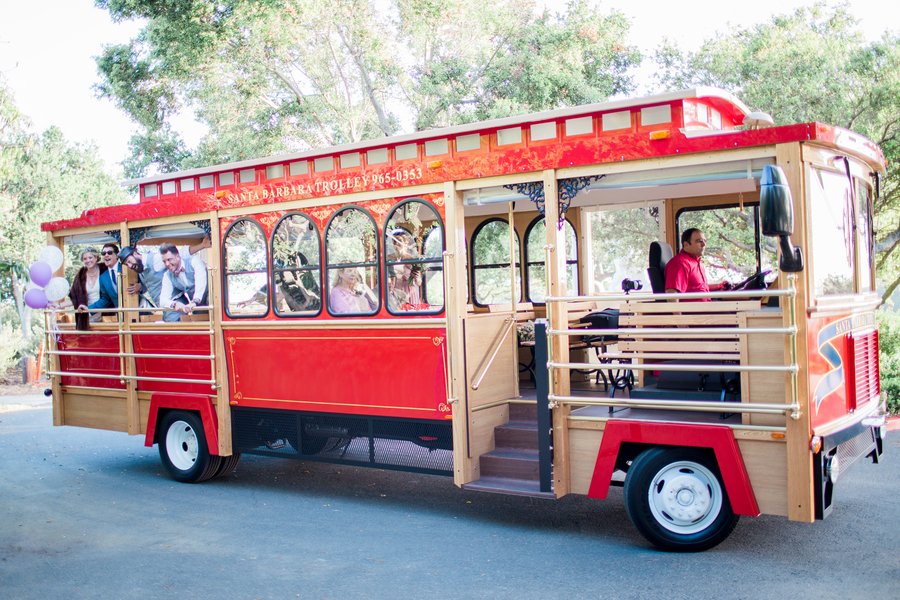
18	290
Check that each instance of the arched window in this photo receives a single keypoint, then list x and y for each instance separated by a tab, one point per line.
490	264
351	252
246	274
296	267
413	259
535	263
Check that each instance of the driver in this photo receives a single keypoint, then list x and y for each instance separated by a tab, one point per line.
685	273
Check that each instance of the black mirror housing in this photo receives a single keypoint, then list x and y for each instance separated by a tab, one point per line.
775	202
777	215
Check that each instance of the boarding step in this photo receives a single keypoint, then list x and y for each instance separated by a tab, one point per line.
517	434
523	412
514	463
506	485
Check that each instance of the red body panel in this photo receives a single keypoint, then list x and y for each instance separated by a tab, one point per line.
90	364
831	368
146	367
719	439
188	402
377	372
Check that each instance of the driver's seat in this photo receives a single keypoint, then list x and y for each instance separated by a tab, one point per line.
660	255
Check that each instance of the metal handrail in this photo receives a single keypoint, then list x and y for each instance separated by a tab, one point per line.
209	382
489	357
792	369
695	405
687	331
129	354
718	368
738	295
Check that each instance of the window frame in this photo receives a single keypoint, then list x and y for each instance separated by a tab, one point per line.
386	263
273	269
327	263
226	274
757	229
528	264
474	267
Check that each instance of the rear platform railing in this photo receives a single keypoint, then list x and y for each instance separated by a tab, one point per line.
636	359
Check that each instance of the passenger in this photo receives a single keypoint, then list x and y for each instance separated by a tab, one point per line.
85	290
685	273
149	266
184	284
405	281
109	280
349	295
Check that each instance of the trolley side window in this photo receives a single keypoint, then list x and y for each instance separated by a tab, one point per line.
413	249
490	264
246	272
831	215
535	255
296	267
735	248
351	253
866	239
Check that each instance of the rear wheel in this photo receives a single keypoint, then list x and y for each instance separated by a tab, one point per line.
675	499
183	450
228	465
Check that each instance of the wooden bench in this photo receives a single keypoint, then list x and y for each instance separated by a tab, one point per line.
713	348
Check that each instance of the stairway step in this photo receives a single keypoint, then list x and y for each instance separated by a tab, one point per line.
516	434
515	463
507	485
522	412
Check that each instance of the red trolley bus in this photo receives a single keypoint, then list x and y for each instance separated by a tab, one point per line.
402	303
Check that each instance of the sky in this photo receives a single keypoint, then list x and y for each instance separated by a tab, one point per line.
47	50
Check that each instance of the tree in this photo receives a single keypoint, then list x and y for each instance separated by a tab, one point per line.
42	178
812	65
273	76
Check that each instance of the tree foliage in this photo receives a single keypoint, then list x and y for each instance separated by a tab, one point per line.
812	65
280	75
43	177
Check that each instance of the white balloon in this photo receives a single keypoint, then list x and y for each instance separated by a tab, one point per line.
53	256
57	289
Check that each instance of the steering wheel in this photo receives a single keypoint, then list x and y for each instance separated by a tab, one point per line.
756	281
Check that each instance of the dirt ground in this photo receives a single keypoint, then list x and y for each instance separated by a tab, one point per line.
10	388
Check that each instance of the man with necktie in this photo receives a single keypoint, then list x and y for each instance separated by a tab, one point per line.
109	279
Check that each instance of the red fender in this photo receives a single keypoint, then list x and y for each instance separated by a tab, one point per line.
719	439
192	402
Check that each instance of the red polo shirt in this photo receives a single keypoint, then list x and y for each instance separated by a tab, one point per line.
685	274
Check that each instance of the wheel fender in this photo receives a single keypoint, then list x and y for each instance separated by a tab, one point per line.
719	439
192	402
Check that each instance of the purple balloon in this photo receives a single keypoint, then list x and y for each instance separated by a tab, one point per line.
40	273
36	298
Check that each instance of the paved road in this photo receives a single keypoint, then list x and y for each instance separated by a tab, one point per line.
90	514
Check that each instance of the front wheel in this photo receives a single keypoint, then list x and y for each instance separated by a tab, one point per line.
183	450
675	499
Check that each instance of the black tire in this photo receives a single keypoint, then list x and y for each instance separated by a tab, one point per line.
183	450
675	498
228	465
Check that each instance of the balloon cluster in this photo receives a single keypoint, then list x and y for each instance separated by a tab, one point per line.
44	288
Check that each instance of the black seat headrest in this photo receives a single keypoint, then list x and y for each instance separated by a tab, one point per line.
660	255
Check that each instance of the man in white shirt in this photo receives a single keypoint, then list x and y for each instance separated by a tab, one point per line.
148	264
184	284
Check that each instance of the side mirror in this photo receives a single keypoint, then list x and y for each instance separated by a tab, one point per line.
777	215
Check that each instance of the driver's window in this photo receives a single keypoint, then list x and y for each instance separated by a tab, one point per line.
733	241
